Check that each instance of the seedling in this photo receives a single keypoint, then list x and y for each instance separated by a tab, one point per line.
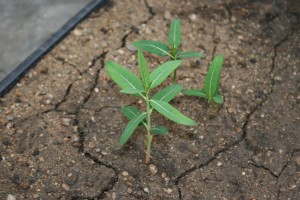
211	84
131	84
172	49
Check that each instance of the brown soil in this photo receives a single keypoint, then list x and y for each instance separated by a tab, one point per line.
60	126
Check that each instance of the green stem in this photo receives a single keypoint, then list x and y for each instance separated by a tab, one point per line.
149	135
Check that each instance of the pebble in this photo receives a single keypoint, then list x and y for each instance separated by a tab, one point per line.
201	137
193	17
298	160
65	187
163	175
113	196
168	190
10	117
11	197
277	78
125	173
146	190
129	190
93	119
77	32
97	150
131	47
96	46
66	121
104	153
167	15
121	51
152	169
96	90
219	164
35	196
92	145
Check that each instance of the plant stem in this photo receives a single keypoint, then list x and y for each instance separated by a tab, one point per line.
149	135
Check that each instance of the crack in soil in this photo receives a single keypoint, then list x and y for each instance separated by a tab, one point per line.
63	61
150	10
244	126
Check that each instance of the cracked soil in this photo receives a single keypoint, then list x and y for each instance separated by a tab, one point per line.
60	125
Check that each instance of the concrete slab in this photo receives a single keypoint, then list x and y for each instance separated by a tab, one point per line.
25	25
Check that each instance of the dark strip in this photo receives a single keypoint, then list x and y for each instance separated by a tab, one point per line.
11	79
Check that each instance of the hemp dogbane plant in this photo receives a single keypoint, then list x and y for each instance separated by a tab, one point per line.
131	84
211	84
172	49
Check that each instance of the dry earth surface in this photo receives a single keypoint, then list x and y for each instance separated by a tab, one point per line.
60	125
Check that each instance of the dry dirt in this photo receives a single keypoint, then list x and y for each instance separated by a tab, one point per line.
60	125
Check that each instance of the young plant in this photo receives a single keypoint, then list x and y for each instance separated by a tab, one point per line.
131	84
172	49
211	84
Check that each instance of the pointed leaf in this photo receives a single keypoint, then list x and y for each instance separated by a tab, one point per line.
212	78
123	77
218	99
159	130
131	126
143	68
175	34
172	113
190	55
131	91
154	47
195	92
168	93
158	75
130	112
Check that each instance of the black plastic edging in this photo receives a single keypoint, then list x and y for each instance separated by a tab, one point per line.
11	79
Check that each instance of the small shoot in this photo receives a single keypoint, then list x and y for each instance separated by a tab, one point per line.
172	49
211	83
131	84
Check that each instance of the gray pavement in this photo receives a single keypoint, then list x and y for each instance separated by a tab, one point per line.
25	25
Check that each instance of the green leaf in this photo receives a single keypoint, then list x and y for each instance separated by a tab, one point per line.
218	99
159	130
175	34
123	77
132	91
143	68
130	112
190	55
172	113
158	75
154	47
131	126
212	78
195	92
168	93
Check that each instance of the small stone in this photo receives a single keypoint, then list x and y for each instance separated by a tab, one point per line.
152	169
168	190
163	175
113	196
193	17
219	164
65	187
233	18
129	190
77	32
104	153
97	150
121	51
167	15
10	117
298	160
277	78
11	197
96	90
66	121
35	196
146	190
131	47
201	137
92	145
96	46
243	173
93	119
125	173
